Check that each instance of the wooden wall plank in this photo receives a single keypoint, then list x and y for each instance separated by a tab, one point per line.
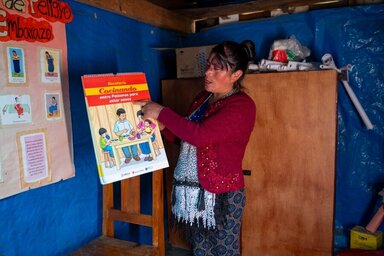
146	12
291	156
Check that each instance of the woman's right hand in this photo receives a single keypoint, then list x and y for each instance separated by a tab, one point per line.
150	109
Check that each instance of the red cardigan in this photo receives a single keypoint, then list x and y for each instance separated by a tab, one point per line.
221	138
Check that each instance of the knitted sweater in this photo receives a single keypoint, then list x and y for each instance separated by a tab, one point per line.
221	138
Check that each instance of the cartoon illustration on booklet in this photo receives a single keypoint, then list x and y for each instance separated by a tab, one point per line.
125	144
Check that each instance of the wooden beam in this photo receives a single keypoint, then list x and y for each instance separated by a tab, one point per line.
130	195
144	11
133	218
108	223
158	211
247	8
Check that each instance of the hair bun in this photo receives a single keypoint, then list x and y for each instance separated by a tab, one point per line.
249	48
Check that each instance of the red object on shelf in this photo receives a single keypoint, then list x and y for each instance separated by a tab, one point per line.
280	56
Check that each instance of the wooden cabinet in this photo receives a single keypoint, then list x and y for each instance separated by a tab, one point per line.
291	158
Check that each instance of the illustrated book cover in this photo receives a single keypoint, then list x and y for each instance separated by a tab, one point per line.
125	144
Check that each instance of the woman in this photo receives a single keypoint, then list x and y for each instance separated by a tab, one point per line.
49	58
52	109
18	107
16	62
208	190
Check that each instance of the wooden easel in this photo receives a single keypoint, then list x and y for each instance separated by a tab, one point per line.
130	213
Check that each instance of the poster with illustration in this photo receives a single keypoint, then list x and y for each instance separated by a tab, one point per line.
16	66
52	106
50	65
34	159
35	123
125	144
15	109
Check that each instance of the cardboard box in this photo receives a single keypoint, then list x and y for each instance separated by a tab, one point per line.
191	61
363	239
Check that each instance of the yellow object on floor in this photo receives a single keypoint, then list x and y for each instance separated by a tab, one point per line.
363	239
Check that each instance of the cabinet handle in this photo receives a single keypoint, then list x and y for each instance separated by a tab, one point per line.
247	172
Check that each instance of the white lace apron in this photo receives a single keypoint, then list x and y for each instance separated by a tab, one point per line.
191	203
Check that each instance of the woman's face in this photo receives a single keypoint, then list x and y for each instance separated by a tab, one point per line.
217	78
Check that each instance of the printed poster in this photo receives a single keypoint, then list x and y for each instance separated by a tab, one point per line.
50	65
15	109
125	144
52	105
16	65
35	122
33	157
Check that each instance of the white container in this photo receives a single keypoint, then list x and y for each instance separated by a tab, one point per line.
191	61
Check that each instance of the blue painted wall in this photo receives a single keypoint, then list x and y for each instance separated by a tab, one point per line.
57	219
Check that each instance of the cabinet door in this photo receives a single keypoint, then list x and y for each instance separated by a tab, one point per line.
291	155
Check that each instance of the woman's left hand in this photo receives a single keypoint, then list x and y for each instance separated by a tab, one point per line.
150	109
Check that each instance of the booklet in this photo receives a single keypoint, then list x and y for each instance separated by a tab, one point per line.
125	144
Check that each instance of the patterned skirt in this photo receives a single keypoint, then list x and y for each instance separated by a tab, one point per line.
223	240
211	222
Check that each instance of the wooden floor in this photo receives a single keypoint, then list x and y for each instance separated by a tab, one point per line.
105	246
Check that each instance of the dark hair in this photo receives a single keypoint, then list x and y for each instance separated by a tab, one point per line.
232	56
139	113
102	131
120	111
